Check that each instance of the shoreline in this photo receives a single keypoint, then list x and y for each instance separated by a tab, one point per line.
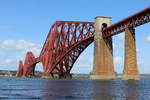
38	74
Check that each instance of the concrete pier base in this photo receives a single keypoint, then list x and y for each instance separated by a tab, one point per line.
103	76
103	67
130	63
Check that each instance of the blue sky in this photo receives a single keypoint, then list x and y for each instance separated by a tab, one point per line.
24	25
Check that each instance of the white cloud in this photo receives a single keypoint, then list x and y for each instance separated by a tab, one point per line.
6	26
83	64
8	44
117	60
21	45
8	61
11	58
148	38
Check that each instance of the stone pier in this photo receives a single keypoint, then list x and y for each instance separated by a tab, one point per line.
103	67
130	64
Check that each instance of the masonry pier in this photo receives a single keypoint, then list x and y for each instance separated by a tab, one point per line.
130	63
103	67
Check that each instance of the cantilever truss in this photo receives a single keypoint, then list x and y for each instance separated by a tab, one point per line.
67	40
64	44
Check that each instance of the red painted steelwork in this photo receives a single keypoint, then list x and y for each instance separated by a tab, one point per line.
64	44
29	64
135	20
20	69
67	40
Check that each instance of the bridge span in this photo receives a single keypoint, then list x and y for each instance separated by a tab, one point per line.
66	40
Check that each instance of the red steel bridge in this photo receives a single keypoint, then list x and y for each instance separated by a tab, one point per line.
66	40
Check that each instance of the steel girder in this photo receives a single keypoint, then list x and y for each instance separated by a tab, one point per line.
135	20
64	44
20	69
67	40
27	69
29	64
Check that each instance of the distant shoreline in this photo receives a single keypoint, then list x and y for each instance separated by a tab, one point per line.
38	74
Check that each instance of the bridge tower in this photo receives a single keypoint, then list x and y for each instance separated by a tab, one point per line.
103	67
130	63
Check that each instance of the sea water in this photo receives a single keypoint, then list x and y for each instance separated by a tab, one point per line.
73	89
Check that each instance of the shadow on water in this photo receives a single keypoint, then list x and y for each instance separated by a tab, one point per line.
116	90
91	90
102	90
67	89
74	89
131	90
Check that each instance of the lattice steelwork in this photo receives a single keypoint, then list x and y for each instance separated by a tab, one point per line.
67	40
20	69
135	20
29	64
